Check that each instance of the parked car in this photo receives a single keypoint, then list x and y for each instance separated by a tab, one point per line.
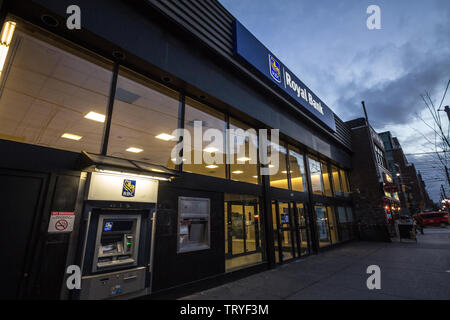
435	218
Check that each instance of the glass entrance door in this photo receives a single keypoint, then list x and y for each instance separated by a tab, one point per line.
242	234
326	226
322	226
303	237
284	228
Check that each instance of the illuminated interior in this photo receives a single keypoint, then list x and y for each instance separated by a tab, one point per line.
243	231
213	150
144	117
297	167
244	156
316	176
47	90
278	176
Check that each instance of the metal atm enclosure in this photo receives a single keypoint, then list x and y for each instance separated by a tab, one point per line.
117	228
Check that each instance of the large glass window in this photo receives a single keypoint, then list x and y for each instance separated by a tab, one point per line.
316	176
206	156
278	178
297	170
345	223
243	151
243	232
144	117
344	180
326	179
336	181
53	94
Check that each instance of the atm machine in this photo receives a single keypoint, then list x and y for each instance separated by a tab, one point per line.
117	228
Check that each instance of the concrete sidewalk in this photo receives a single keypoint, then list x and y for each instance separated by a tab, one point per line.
408	271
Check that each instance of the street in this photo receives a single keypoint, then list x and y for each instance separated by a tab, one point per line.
409	270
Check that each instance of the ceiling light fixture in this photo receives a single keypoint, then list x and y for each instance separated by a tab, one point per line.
237	172
71	136
212	166
5	40
95	116
244	159
210	149
165	137
134	150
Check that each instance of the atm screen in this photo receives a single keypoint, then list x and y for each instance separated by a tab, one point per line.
118	225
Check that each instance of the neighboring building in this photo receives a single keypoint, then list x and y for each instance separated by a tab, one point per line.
375	207
412	191
87	170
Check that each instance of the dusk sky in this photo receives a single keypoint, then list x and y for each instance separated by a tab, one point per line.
327	44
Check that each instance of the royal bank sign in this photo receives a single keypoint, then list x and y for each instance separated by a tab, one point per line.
247	47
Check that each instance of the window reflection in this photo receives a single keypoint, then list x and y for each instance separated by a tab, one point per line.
326	179
144	117
336	181
298	179
316	176
278	178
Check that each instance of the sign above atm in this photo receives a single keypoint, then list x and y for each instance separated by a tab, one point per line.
255	53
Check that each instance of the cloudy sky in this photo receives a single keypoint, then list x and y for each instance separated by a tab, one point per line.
327	44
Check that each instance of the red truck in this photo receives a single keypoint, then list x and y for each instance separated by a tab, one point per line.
434	218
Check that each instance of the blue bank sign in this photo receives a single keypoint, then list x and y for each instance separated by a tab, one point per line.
254	52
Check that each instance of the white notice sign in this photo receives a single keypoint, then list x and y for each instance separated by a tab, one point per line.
61	222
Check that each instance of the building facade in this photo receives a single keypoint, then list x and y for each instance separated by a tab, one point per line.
412	191
376	201
87	137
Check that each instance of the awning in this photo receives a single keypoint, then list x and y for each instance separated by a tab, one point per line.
95	162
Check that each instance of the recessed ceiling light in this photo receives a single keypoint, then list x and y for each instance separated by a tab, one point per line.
71	136
210	149
244	159
255	177
237	172
212	166
95	116
164	136
134	150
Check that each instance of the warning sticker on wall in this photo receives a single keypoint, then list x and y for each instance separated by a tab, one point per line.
61	222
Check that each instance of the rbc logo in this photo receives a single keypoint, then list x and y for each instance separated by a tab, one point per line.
274	69
129	188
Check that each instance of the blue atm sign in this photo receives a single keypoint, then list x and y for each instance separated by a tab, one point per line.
255	53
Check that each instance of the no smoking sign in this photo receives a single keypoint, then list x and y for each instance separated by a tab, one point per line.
61	222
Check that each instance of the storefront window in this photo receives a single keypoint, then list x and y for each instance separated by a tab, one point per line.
326	179
52	94
243	232
144	117
336	181
297	168
345	215
209	151
243	151
316	176
344	180
279	178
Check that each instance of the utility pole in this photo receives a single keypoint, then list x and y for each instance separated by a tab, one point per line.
447	110
443	191
448	175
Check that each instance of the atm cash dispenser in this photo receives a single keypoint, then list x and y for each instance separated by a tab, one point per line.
117	229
